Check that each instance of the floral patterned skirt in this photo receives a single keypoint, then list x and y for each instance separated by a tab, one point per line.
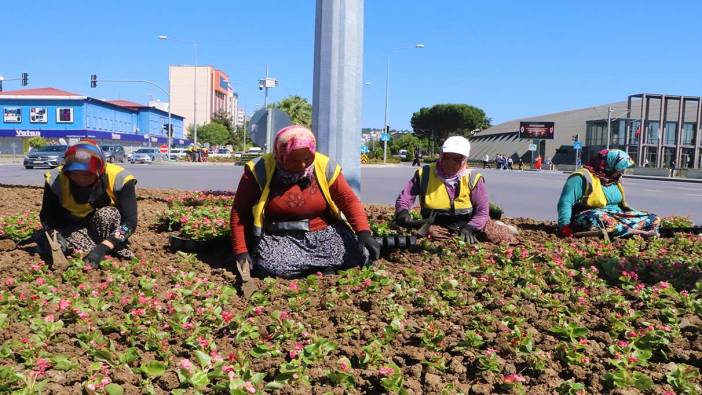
617	223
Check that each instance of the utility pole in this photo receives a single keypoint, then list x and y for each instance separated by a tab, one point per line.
264	85
609	125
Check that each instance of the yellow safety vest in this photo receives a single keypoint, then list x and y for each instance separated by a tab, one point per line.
433	195
594	196
60	185
326	171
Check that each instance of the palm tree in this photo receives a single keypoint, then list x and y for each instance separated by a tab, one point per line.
298	108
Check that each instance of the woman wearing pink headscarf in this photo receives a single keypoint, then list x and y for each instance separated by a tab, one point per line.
295	214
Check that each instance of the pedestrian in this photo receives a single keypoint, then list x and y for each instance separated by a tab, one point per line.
486	160
548	164
90	204
593	199
452	198
521	163
510	162
417	157
537	163
295	214
672	168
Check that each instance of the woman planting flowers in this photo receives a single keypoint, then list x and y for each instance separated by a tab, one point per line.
593	198
453	199
90	203
287	214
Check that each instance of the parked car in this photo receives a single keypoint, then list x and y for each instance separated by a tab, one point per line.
146	155
48	156
178	153
114	153
221	153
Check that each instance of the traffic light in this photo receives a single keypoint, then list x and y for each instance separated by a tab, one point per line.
25	79
387	129
575	138
169	131
93	81
0	85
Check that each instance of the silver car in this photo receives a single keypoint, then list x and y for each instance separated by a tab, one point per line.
146	155
48	156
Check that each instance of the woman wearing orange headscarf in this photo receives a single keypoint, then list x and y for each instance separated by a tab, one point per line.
295	214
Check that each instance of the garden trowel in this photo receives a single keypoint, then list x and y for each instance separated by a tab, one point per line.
58	259
248	287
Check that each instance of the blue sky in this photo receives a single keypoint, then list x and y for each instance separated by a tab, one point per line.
510	58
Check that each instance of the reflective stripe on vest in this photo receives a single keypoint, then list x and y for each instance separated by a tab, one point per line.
60	185
433	194
594	196
326	171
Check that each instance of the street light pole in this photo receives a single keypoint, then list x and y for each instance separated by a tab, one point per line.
194	43
387	84
609	125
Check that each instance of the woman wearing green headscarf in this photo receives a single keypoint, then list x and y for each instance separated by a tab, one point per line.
593	198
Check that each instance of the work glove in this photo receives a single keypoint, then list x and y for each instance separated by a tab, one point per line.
565	231
403	219
469	234
366	240
96	255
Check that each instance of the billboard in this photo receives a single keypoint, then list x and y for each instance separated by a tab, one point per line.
221	83
536	130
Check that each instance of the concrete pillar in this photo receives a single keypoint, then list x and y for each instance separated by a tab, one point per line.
662	119
698	134
338	84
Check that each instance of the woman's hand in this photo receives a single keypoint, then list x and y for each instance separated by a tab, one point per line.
438	232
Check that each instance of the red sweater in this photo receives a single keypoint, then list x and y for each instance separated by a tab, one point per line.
292	203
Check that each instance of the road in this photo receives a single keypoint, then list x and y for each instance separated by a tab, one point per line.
521	194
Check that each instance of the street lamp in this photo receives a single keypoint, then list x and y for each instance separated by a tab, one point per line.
609	123
194	43
387	83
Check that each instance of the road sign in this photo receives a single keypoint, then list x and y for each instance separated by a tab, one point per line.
385	137
364	158
364	149
577	145
532	147
258	126
163	148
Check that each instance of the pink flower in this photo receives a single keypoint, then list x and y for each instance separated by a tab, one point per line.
125	299
582	341
249	387
258	310
490	351
227	369
186	364
513	378
284	315
204	343
91	387
366	283
49	318
227	316
188	325
293	286
9	281
343	366
40	281
41	365
386	371
36	267
633	359
139	312
622	343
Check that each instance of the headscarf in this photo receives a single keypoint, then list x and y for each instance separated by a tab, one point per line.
287	140
607	162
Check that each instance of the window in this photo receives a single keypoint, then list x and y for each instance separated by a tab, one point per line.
64	115
688	133
671	130
38	115
12	115
652	133
635	132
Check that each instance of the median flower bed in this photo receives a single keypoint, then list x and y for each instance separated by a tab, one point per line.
546	316
199	216
19	227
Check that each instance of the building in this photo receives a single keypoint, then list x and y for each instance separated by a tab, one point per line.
214	93
652	146
55	114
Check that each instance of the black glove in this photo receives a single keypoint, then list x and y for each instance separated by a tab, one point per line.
469	234
96	255
403	219
366	240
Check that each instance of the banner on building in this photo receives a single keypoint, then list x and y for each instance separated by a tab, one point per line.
536	130
38	115
12	114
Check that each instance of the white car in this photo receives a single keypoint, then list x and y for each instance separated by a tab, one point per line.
178	153
220	153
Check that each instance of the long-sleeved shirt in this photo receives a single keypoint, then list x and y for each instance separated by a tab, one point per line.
54	216
573	191
478	199
292	203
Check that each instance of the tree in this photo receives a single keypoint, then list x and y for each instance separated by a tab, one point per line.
298	108
442	120
225	119
213	133
36	141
